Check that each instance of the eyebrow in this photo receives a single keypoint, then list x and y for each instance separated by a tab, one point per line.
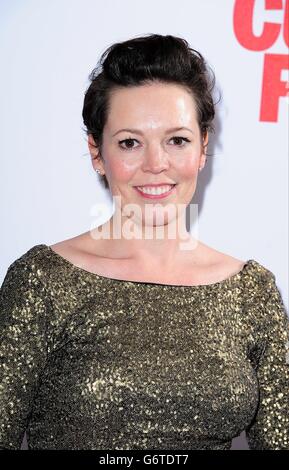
168	131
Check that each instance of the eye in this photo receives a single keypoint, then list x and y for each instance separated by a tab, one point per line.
130	140
178	138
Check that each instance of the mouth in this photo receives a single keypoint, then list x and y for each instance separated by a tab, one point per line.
155	192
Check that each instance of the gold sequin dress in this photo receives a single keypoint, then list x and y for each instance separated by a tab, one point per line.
91	362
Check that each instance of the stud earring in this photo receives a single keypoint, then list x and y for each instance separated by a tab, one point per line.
98	171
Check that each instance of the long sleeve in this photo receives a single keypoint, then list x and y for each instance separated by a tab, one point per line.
270	426
23	349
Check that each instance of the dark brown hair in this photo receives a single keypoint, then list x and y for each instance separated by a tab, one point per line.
143	60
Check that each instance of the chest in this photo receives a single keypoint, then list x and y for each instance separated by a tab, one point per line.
159	362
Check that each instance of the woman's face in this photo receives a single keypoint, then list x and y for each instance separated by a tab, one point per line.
140	148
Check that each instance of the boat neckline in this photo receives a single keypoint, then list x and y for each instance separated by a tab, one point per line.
76	268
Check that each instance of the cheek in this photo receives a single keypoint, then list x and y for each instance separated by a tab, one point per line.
121	169
187	168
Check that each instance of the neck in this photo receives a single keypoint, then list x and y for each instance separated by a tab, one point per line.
147	245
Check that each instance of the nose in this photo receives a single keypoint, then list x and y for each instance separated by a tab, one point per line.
155	159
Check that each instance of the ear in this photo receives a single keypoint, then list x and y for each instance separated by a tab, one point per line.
91	145
205	140
95	155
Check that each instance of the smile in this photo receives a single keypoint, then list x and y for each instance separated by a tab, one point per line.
155	192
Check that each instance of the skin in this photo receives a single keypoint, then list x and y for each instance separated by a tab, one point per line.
152	157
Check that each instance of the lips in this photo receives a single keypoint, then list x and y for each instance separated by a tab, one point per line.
153	185
156	196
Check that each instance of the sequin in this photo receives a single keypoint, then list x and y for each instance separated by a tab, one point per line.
91	362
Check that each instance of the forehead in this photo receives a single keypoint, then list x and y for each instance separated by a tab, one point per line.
155	103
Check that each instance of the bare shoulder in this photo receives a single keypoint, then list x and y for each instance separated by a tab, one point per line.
230	265
73	249
86	253
94	256
219	265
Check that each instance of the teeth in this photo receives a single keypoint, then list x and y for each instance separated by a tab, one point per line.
155	190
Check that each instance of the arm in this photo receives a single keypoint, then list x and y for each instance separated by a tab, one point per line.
23	349
270	426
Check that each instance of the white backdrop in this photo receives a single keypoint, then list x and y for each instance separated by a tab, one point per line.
48	186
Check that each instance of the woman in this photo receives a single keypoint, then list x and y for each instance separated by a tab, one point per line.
114	341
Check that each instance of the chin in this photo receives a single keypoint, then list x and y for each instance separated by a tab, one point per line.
158	220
